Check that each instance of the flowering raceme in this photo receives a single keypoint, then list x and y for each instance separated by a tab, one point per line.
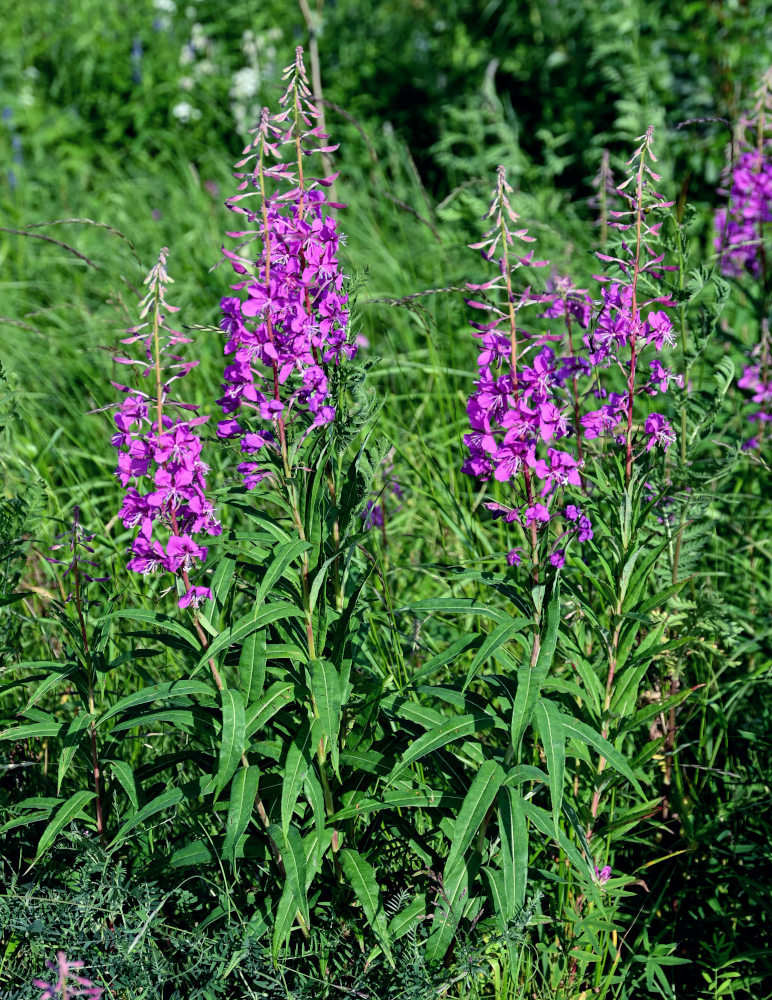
529	416
164	450
739	226
288	324
518	413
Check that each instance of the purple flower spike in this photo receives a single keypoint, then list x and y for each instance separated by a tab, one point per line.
287	326
603	875
161	454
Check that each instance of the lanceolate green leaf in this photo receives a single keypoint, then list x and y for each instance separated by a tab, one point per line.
449	907
39	729
513	831
221	580
456	606
284	919
284	555
166	800
542	820
294	858
242	800
550	726
298	763
478	799
232	737
71	741
156	692
252	666
401	798
448	732
530	680
125	776
154	618
496	887
498	637
67	812
275	698
361	878
406	920
248	623
325	686
575	729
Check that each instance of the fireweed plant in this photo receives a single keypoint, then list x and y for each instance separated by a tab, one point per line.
376	799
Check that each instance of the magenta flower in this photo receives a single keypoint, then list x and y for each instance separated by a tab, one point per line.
603	875
659	430
529	416
738	227
68	983
287	326
161	452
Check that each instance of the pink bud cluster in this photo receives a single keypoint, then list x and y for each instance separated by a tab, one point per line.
68	982
288	324
164	452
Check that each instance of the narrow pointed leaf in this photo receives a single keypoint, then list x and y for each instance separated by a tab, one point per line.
284	555
361	878
530	681
295	770
275	698
478	799
513	831
64	814
498	637
232	737
579	730
251	622
252	666
70	742
125	776
157	692
550	725
294	858
325	685
240	805
450	731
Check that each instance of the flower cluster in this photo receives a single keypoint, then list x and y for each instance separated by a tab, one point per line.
756	380
68	983
288	325
165	450
620	326
518	413
738	226
530	422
